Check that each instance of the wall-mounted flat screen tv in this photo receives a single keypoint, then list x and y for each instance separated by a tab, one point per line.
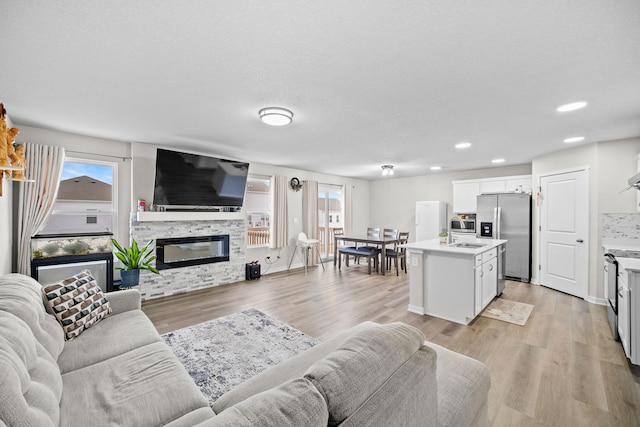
192	181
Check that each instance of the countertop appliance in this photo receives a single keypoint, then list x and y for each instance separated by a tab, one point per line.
508	216
462	226
431	219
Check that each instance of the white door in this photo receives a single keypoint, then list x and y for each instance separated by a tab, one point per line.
564	222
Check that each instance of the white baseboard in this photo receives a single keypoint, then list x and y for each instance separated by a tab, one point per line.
415	309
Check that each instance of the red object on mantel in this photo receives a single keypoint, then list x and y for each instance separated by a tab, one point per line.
142	205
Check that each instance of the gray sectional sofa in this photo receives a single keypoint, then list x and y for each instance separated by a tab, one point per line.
119	372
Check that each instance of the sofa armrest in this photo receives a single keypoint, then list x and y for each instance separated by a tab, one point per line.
284	371
125	300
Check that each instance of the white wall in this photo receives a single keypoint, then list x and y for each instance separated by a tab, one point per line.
6	222
393	200
6	233
143	165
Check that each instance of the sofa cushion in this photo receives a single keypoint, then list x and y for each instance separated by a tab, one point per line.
22	296
352	374
147	386
113	336
78	303
463	385
294	403
30	382
289	369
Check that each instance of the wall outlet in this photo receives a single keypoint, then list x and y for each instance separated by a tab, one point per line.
414	261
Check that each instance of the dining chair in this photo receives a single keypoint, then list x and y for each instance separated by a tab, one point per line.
398	254
339	231
306	245
372	232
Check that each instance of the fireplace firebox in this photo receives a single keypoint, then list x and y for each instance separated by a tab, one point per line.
189	251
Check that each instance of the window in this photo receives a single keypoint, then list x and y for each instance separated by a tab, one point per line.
258	206
86	200
330	208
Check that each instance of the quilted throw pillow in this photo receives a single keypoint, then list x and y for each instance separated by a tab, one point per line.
77	302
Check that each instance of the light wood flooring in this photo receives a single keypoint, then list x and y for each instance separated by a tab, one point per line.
561	369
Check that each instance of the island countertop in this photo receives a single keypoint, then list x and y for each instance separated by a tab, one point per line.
434	245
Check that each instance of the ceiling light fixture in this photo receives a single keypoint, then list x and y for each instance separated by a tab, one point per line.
276	116
574	139
497	161
462	145
571	107
436	168
387	170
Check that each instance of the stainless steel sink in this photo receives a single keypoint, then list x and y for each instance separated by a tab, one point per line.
467	245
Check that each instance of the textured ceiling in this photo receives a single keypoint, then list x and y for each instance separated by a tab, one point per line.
370	82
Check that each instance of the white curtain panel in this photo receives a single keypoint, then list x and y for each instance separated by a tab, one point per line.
348	209
36	199
310	214
280	213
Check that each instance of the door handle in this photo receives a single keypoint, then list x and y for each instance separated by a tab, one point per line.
579	240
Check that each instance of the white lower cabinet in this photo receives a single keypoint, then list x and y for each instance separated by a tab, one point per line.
624	311
489	281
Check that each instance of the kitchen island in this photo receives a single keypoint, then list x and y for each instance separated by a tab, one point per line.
455	281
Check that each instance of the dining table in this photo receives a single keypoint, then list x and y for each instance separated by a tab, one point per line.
380	241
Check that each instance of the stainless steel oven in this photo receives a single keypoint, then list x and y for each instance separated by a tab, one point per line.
611	278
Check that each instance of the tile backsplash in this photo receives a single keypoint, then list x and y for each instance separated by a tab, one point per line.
621	226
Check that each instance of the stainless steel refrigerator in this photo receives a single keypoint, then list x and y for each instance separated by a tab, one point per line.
508	216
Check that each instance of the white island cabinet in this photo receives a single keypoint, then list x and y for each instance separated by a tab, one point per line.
453	282
629	307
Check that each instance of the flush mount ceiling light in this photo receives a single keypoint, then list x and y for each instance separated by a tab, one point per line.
497	161
571	107
387	170
574	139
276	116
436	168
462	145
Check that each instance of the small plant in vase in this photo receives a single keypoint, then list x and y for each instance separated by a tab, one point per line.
134	259
443	238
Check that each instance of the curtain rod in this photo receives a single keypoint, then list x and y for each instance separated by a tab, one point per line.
95	154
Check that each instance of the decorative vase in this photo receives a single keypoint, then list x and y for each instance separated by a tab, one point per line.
129	278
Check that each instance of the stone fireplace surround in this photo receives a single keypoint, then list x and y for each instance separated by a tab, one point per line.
145	226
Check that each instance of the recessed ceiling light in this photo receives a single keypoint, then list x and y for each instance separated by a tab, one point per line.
571	107
497	161
436	168
574	139
462	145
276	116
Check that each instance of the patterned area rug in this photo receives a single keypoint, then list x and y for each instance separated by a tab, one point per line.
224	352
508	311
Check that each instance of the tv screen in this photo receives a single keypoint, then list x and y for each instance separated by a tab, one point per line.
193	181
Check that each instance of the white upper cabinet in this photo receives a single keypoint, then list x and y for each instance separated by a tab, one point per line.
465	192
493	186
464	196
522	185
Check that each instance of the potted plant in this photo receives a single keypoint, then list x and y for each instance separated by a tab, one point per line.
134	259
443	238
